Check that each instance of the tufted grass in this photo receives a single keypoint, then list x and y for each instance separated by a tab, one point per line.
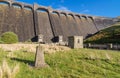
76	63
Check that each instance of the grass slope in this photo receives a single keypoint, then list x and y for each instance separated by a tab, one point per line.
77	63
108	35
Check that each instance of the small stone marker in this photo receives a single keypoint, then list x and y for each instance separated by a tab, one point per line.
60	39
109	46
40	38
39	58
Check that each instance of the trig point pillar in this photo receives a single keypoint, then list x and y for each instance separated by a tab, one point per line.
39	58
75	41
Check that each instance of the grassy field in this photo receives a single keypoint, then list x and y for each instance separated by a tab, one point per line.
77	63
108	35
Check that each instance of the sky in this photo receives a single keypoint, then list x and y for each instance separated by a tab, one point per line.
107	8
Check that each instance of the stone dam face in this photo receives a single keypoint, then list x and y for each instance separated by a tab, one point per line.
29	21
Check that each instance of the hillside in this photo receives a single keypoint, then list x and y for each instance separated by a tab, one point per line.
108	35
77	63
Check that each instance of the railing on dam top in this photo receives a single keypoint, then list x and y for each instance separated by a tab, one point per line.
103	46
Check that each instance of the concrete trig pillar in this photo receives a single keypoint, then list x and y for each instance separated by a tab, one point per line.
39	58
75	41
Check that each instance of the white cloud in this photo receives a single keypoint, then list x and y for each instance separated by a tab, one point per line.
85	11
63	8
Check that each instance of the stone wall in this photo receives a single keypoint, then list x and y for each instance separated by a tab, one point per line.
29	21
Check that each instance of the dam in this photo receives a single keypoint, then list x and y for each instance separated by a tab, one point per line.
28	21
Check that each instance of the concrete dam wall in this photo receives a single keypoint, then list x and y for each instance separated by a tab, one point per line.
28	21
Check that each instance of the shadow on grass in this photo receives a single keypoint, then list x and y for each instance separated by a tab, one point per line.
31	63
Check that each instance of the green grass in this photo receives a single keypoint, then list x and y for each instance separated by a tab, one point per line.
108	35
77	63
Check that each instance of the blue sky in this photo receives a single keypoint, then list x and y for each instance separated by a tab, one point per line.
107	8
